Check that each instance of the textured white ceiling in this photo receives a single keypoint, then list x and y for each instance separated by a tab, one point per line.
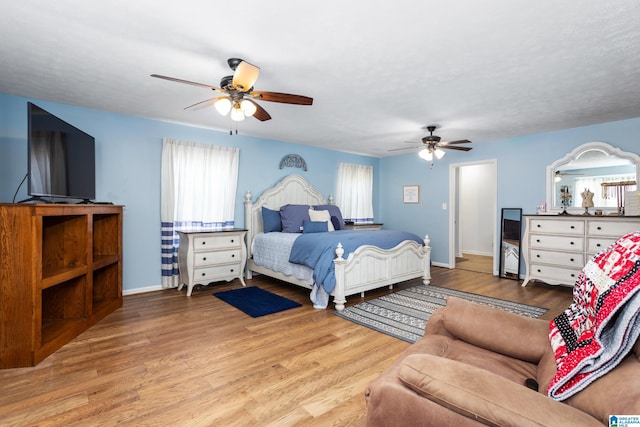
378	71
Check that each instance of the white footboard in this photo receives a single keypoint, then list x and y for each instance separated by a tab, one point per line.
370	267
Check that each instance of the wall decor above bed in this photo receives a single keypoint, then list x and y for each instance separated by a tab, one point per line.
354	266
293	161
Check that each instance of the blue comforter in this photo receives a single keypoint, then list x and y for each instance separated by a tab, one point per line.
317	250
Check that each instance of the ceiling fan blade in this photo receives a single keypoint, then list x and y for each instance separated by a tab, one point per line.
404	148
245	76
285	98
202	104
173	79
260	114
454	148
460	141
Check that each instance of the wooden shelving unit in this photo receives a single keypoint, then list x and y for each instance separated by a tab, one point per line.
60	273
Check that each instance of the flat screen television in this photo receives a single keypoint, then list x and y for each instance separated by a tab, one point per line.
61	158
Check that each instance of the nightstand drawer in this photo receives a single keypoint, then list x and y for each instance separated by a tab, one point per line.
215	272
557	226
224	240
565	259
568	243
217	257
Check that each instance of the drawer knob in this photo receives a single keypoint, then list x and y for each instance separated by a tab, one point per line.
538	240
572	243
204	274
538	270
233	255
204	258
231	270
232	240
573	275
573	226
571	259
599	228
597	245
538	225
538	256
204	243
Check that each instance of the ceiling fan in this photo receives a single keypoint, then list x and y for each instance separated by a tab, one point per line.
237	95
431	145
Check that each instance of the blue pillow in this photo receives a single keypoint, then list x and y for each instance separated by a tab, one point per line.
293	216
271	220
314	226
333	211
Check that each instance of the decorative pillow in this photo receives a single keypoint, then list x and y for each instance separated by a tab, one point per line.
333	211
315	215
314	226
293	216
336	223
271	220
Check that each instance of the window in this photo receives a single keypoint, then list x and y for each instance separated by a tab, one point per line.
354	194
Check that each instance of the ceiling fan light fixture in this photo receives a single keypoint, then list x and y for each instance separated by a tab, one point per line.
426	154
439	153
237	115
245	76
223	105
248	107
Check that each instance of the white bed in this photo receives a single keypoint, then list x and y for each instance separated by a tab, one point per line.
367	268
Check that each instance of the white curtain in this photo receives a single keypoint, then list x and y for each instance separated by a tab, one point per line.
198	191
354	195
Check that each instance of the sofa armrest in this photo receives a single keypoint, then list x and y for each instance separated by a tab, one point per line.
484	396
493	329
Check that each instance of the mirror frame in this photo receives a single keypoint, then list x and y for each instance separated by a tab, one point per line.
502	264
575	154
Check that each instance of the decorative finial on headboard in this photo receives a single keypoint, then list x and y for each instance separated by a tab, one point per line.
331	201
293	161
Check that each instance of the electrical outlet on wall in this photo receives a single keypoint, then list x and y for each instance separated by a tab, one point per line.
444	206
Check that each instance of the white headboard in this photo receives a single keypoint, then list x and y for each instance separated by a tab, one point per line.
292	189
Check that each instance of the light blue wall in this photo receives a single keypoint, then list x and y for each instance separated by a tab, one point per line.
128	172
521	163
128	154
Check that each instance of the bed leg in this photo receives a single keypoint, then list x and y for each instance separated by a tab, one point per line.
338	293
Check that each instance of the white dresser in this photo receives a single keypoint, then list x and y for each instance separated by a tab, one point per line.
211	256
556	247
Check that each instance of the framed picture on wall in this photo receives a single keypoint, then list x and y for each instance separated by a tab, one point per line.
411	194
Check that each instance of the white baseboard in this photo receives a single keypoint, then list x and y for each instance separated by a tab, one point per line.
141	290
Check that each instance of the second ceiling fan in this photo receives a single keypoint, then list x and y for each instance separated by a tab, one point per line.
432	145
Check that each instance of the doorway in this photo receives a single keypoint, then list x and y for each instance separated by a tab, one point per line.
472	216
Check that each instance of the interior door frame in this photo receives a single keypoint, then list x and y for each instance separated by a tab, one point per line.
454	169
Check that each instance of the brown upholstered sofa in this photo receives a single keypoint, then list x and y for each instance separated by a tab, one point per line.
471	366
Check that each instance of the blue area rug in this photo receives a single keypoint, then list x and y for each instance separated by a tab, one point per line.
256	302
404	314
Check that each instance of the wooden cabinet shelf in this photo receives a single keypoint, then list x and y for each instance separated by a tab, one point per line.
61	273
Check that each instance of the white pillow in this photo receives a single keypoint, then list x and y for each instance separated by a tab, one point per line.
322	216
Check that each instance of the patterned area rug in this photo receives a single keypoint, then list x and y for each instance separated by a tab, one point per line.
404	314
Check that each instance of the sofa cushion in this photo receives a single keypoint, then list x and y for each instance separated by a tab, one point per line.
497	330
484	396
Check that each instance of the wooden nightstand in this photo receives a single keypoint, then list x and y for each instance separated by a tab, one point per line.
373	226
211	256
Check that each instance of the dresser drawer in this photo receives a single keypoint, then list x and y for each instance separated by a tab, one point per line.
555	274
557	226
614	229
219	257
568	243
564	259
215	272
217	242
595	244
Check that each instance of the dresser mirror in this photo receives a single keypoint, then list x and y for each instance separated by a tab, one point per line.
510	236
591	178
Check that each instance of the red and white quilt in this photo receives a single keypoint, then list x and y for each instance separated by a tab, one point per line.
602	324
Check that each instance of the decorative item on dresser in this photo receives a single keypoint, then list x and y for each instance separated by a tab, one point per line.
556	247
211	256
61	272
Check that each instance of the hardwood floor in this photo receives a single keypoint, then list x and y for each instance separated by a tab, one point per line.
165	359
477	263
